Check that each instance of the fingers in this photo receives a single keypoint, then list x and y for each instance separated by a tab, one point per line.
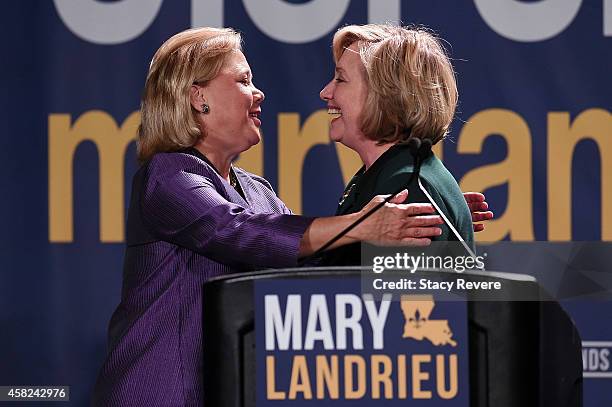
414	209
399	198
423	221
380	198
479	209
377	199
473	197
416	237
420	232
478	206
481	216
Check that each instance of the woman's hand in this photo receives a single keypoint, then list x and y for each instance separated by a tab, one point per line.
393	224
398	224
478	206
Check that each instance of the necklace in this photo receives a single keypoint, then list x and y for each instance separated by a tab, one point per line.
233	179
346	194
351	186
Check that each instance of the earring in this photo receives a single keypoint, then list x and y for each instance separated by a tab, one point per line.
205	108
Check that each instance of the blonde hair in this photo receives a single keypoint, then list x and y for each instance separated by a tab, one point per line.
167	117
412	88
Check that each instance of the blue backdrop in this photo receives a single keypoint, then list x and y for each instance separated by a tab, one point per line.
533	131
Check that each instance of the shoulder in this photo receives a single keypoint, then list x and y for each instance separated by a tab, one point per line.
173	173
399	163
168	165
395	173
442	183
435	173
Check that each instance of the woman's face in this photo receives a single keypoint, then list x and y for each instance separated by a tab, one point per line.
345	95
235	106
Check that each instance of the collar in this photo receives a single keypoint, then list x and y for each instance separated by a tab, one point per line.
364	182
232	174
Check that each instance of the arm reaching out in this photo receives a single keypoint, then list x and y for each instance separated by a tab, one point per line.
182	206
395	223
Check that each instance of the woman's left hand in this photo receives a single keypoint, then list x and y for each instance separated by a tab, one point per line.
479	209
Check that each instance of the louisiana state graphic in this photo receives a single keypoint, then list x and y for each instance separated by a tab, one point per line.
418	326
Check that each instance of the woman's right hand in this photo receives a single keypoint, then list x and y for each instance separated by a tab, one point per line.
395	223
392	225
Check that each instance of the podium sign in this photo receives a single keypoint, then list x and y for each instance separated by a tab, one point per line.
327	343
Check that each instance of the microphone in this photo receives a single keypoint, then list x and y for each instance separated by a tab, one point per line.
414	144
419	151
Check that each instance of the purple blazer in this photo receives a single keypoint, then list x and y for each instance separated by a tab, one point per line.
186	224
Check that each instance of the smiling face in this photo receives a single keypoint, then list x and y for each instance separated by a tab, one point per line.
233	123
345	95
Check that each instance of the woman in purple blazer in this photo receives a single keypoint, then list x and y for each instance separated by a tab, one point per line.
194	216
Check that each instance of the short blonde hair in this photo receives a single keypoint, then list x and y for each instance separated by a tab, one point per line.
167	117
412	88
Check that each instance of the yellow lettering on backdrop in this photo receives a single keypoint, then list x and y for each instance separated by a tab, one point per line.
381	375
271	392
401	377
453	374
419	376
111	142
294	143
351	391
515	170
296	140
300	380
563	136
327	377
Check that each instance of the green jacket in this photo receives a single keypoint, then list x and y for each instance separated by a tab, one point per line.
392	171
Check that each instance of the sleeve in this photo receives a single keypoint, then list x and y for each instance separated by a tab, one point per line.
182	206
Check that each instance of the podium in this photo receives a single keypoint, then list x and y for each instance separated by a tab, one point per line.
514	347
